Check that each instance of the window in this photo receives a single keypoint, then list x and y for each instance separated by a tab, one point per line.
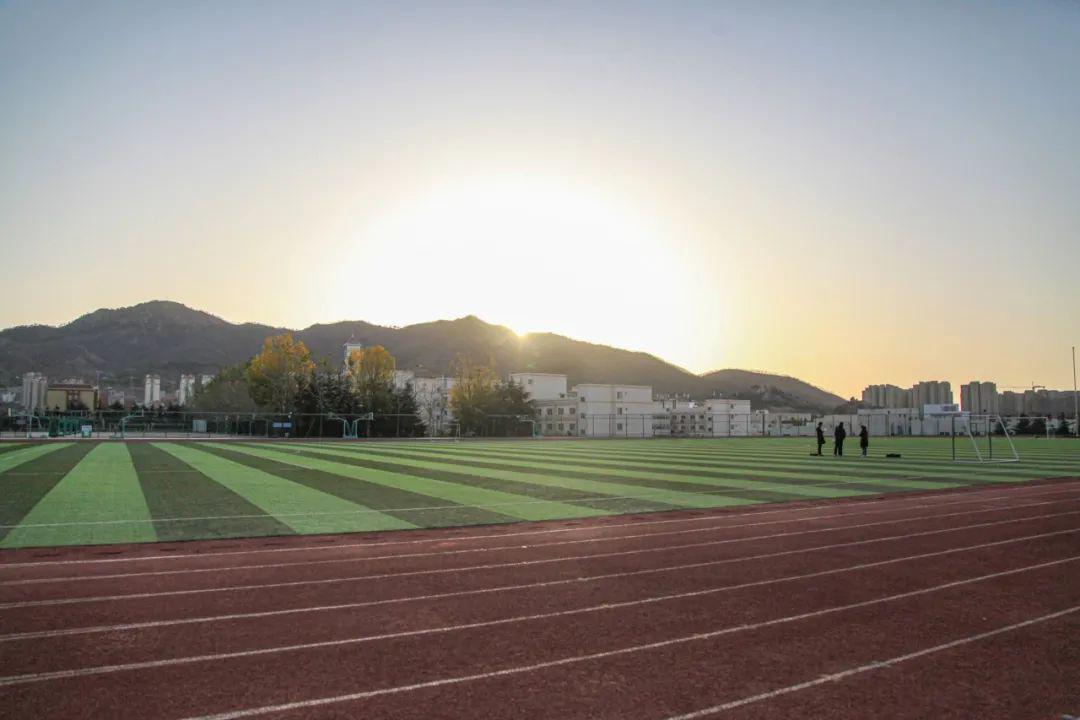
619	426
560	427
562	411
571	427
548	411
618	411
573	411
618	395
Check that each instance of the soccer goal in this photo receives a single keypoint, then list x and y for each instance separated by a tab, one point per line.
982	439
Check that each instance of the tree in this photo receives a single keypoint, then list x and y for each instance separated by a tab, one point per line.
470	398
1038	426
227	392
1023	425
1063	426
278	373
371	377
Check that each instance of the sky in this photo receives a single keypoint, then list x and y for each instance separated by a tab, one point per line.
847	192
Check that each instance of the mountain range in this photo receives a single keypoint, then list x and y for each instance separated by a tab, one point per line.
169	338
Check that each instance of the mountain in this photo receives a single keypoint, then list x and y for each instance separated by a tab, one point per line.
170	338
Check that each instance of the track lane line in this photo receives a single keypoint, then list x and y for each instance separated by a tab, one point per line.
576	659
464	551
510	564
869	667
502	588
969	497
169	662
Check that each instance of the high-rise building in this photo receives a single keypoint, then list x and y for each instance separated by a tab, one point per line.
186	390
350	347
980	398
931	392
152	391
886	396
34	387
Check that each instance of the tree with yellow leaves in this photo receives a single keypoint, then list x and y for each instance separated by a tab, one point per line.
371	373
277	374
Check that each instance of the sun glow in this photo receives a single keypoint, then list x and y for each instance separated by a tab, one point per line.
530	255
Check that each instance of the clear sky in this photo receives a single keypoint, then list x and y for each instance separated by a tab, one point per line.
850	192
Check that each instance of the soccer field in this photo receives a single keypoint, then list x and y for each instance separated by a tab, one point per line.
72	493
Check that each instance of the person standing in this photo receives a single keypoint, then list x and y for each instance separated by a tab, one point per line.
864	439
838	440
820	438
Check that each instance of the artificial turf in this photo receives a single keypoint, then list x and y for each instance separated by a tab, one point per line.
88	492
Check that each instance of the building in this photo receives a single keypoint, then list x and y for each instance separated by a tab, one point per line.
1011	403
607	410
186	390
152	391
205	379
34	386
403	378
931	392
716	417
350	347
979	398
113	396
71	397
541	386
886	396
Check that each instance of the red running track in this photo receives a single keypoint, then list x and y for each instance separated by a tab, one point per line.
956	604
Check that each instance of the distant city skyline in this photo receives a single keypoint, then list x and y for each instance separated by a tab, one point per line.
848	193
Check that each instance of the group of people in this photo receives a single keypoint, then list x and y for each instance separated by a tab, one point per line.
839	435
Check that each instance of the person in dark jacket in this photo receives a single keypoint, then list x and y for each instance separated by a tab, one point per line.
838	439
820	438
864	439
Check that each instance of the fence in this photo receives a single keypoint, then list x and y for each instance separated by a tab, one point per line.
677	424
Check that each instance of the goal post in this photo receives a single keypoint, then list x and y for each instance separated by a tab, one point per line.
982	439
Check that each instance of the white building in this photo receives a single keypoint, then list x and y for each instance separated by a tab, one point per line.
186	391
715	417
541	386
205	379
402	378
980	398
605	410
433	403
152	391
34	386
350	347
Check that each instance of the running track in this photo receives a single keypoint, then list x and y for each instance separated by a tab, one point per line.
960	604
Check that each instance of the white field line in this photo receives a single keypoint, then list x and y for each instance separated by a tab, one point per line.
478	591
968	497
442	571
499	548
696	637
103	669
876	665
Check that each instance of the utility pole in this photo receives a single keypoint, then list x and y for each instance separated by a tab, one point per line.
1076	399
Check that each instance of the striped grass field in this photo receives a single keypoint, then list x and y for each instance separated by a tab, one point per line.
75	493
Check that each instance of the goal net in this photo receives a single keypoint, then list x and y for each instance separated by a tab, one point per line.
982	439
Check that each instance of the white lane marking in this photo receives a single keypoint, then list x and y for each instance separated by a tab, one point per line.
488	566
499	588
103	669
975	497
364	695
876	665
485	549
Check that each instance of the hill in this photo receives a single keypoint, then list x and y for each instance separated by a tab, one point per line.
170	338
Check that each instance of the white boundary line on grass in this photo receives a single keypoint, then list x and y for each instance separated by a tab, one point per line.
499	548
968	497
492	566
168	662
474	592
696	637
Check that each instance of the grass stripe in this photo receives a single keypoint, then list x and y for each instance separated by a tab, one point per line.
673	497
857	483
606	503
31	476
302	508
418	509
521	507
174	489
480	467
102	487
6	447
10	461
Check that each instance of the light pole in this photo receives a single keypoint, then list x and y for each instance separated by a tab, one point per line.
1076	399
